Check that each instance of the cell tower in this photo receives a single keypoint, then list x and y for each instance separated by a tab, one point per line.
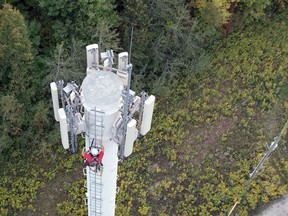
102	111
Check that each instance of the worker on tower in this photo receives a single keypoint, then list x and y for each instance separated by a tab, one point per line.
94	156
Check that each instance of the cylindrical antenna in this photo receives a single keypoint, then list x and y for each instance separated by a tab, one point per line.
130	48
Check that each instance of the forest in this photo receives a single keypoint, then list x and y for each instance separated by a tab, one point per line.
219	71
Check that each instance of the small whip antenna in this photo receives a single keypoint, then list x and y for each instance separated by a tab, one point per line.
131	39
92	143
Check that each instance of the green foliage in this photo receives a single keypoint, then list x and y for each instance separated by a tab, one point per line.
166	44
67	62
12	115
79	19
169	37
254	10
199	154
77	194
221	17
15	52
16	60
213	13
18	193
19	188
40	120
34	34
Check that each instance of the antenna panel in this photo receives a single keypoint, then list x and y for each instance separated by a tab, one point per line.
92	52
63	128
80	124
55	100
123	76
131	136
122	66
147	115
123	61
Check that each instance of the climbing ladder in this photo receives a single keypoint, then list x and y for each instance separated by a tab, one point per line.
94	193
95	127
94	132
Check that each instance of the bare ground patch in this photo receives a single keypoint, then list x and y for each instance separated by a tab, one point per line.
205	140
53	193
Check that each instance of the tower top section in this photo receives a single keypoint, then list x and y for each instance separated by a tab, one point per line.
101	89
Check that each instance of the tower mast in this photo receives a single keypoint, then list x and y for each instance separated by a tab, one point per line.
102	110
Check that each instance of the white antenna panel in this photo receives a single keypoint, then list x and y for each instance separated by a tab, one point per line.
80	124
122	66
147	115
123	61
55	100
63	128
123	76
131	136
92	52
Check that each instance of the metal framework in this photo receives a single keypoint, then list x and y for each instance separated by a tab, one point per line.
71	102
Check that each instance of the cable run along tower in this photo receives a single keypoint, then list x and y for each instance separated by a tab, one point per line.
102	111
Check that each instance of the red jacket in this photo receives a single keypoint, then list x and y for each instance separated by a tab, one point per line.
90	158
100	156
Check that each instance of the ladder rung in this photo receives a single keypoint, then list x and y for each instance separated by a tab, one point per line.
98	125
